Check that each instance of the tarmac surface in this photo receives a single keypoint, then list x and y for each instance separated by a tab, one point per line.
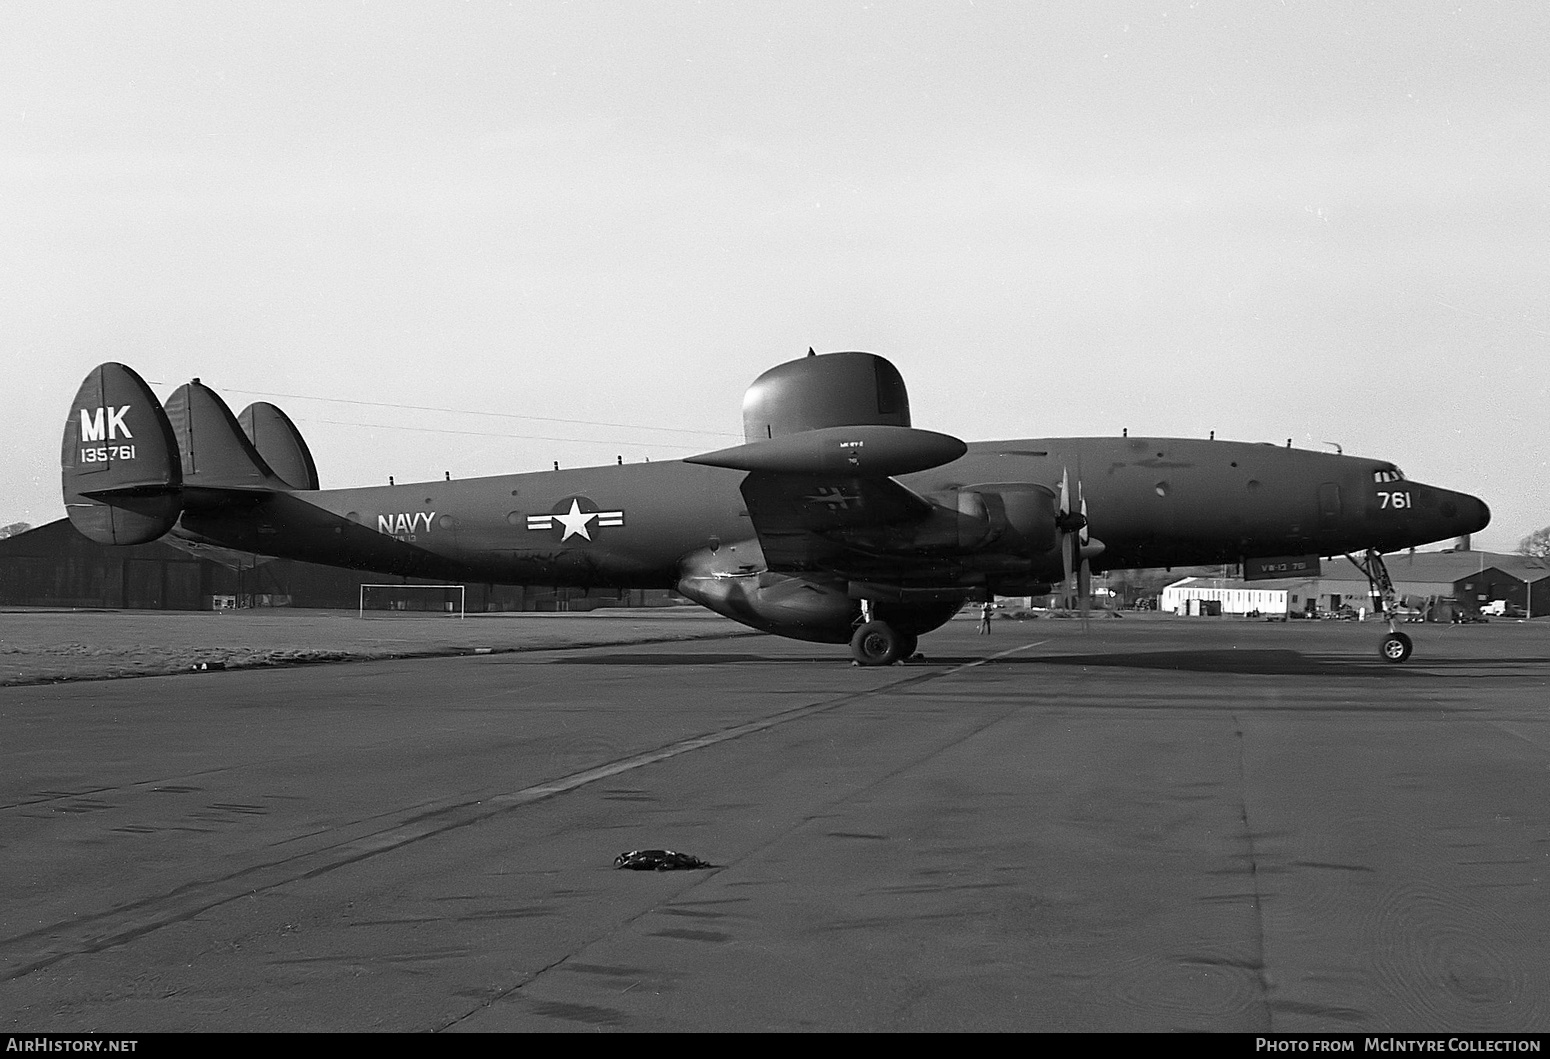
43	646
1156	825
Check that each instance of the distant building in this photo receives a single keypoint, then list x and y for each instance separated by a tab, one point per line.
1427	582
1518	586
1211	596
54	566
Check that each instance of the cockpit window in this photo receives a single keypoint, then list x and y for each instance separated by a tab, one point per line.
1389	474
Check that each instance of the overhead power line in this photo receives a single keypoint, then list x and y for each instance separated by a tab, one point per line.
492	434
471	412
478	412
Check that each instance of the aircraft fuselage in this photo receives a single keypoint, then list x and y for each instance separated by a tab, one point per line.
1153	502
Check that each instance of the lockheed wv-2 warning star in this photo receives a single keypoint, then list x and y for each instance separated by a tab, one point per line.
837	521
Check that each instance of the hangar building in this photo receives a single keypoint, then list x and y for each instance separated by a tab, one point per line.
1427	582
55	566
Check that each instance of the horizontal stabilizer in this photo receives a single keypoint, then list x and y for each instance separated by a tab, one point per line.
280	444
119	462
216	453
869	451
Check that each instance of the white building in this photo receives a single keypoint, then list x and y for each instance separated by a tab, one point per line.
1420	578
1196	596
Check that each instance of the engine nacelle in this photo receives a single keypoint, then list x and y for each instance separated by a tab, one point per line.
732	581
1012	517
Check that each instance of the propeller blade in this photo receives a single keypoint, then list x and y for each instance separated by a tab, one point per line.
1068	555
1085	577
1085	590
1076	544
1067	551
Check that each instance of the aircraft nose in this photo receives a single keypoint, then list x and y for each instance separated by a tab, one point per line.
1469	513
1481	514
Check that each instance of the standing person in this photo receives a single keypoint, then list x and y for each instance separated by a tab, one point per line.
985	611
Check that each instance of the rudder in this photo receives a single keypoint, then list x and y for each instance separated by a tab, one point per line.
119	465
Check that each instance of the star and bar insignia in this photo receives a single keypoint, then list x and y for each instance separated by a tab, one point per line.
575	518
834	497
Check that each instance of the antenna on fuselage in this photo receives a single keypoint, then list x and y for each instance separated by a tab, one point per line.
1338	450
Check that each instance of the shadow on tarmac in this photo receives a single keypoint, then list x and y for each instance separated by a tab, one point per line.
1266	662
1290	664
1280	662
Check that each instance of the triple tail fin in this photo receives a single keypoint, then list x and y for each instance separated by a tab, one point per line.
120	471
280	444
129	466
216	453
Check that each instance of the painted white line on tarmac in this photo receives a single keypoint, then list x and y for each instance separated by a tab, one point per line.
992	658
581	779
117	927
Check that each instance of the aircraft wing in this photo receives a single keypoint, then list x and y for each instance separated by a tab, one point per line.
812	521
825	499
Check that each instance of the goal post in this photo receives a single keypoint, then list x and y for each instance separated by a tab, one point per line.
418	599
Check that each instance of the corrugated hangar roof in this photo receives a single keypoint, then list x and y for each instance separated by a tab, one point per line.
1443	566
1404	568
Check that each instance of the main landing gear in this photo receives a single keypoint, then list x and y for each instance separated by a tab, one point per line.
1396	646
876	643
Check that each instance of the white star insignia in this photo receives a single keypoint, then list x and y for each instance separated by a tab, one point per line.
575	521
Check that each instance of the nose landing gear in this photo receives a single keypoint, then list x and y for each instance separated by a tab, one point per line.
1396	646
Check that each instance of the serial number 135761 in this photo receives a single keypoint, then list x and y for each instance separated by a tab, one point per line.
105	453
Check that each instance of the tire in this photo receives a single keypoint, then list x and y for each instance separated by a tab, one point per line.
1395	648
875	644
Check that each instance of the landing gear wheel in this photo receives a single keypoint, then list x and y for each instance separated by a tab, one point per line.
1396	647
875	644
908	642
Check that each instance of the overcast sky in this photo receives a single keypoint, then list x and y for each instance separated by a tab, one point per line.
1318	221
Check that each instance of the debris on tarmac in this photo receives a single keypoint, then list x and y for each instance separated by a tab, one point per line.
659	860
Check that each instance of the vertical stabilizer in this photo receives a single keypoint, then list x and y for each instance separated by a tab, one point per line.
216	453
119	461
280	444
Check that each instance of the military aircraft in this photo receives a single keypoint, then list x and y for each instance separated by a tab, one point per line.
837	521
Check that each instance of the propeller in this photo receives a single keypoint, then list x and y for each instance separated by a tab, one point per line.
1084	573
1077	546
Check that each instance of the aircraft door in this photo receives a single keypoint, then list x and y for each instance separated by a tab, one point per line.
1329	504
